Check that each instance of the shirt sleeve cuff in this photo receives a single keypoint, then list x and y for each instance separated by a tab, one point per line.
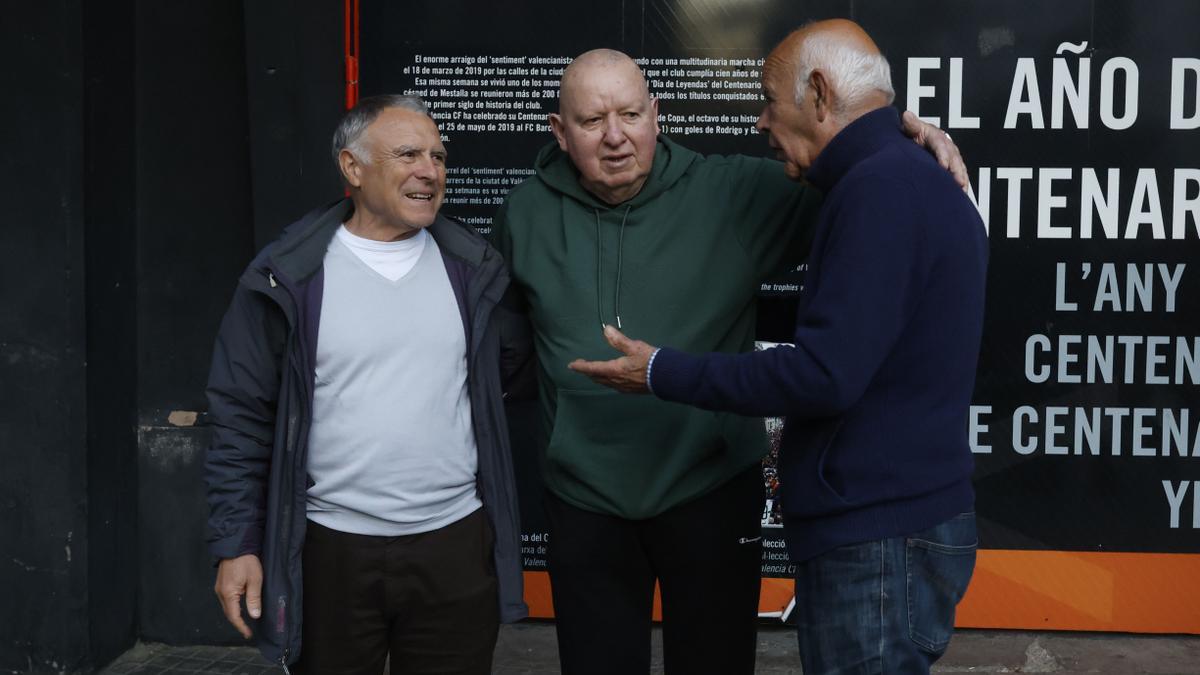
650	369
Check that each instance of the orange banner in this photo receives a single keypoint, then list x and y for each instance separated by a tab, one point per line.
1043	590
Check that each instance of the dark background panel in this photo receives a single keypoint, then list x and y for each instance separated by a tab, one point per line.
695	27
176	603
132	212
295	80
1037	501
43	483
109	215
392	32
194	235
700	28
194	187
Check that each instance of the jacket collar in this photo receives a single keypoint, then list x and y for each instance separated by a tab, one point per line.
857	141
459	240
300	252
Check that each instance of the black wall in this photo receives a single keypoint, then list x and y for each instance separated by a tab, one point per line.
110	293
194	234
294	72
44	529
234	102
150	149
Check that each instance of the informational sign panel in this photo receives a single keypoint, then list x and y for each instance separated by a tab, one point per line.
1080	121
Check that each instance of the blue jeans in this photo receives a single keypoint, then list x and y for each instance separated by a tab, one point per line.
884	606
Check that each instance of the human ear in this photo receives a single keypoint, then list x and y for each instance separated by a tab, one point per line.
822	94
558	129
351	168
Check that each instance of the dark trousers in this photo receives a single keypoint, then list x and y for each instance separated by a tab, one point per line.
706	555
429	599
884	606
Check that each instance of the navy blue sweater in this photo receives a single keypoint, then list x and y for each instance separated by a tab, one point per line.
877	387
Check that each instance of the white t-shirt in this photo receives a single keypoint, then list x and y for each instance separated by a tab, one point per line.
391	259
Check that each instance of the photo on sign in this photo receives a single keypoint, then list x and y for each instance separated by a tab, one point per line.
772	516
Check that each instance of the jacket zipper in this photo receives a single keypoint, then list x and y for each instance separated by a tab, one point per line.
282	625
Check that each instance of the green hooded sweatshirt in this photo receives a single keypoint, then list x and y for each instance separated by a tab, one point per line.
679	264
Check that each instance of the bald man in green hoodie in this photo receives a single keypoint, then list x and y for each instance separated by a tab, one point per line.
622	226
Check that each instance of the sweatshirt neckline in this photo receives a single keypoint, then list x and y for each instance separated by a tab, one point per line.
858	140
555	168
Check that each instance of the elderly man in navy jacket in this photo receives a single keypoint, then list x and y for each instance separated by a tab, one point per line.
875	466
360	485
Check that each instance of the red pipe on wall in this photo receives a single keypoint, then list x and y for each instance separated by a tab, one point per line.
350	40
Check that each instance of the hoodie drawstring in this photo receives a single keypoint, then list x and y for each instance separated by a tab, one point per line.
599	260
599	267
620	250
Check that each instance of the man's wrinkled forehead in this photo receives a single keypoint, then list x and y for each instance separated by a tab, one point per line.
780	64
396	121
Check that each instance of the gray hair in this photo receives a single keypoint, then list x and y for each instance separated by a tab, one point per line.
349	132
854	74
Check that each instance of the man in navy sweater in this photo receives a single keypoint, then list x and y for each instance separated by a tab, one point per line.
874	464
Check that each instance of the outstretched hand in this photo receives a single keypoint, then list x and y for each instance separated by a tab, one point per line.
939	144
625	374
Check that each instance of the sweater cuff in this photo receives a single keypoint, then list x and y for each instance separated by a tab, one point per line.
675	375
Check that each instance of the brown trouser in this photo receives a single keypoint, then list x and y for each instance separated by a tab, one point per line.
429	600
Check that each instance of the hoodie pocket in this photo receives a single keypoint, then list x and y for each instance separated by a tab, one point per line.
592	432
618	449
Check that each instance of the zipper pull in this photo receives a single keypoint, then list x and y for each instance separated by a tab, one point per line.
271	278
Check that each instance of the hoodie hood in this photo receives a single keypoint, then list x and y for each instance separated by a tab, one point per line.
671	161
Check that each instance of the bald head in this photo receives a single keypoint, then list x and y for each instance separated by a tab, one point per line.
582	70
819	79
858	75
607	123
843	31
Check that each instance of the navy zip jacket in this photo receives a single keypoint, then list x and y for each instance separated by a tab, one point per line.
260	408
877	386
